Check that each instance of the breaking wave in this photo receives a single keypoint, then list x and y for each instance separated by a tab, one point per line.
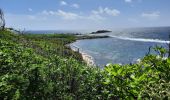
141	39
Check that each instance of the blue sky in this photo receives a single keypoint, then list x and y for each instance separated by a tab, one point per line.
85	14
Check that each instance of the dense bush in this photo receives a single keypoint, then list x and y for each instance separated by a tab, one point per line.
35	67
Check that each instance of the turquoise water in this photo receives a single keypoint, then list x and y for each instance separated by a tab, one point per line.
124	47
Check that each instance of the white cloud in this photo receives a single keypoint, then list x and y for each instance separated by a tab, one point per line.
73	16
95	15
52	13
62	14
112	12
63	3
44	12
75	5
128	1
152	15
29	9
67	15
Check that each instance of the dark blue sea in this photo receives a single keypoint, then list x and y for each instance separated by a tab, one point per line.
125	46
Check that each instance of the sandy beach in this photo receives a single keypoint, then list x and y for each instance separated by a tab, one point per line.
87	58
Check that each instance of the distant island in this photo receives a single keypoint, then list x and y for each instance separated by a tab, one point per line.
101	31
81	37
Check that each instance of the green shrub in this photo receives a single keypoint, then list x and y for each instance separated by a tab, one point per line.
42	67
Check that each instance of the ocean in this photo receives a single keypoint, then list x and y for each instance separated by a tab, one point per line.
125	46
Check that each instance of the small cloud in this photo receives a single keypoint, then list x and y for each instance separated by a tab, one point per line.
45	12
30	10
75	5
63	3
52	13
63	14
68	15
151	16
73	16
128	1
112	12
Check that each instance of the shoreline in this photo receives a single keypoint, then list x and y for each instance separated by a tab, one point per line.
88	59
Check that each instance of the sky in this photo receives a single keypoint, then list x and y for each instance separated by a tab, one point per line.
85	14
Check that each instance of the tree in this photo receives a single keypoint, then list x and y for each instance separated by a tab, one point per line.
2	20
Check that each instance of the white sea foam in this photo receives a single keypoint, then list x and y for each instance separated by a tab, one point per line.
141	39
88	59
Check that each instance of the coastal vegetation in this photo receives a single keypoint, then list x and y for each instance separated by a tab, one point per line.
41	66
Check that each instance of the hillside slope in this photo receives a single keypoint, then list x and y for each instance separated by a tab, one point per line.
42	67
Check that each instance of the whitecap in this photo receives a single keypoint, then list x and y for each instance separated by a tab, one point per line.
141	39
